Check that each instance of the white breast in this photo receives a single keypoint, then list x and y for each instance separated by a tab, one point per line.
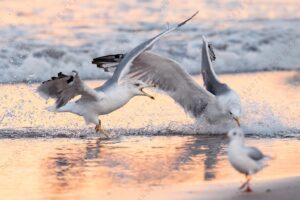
115	97
240	160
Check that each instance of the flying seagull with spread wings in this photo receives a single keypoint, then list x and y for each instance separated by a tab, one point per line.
113	94
217	102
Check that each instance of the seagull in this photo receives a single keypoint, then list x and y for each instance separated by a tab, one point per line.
246	160
112	95
216	101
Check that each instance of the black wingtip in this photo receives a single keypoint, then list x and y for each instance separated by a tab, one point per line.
53	78
108	59
61	75
182	23
212	54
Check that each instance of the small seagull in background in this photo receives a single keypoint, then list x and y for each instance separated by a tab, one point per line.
246	160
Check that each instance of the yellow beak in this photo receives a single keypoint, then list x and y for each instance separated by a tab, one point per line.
237	121
146	94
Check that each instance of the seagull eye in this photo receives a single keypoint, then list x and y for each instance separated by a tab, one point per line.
230	113
137	84
234	133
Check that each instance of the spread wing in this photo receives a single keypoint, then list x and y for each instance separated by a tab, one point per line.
126	63
63	88
170	77
211	82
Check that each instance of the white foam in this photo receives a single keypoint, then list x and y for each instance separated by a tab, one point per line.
243	46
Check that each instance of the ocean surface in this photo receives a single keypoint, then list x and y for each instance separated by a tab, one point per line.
270	108
40	38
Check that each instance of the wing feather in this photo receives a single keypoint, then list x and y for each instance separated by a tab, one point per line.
211	82
125	64
254	153
170	77
63	88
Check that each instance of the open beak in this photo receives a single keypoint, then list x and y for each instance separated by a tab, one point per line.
146	94
237	121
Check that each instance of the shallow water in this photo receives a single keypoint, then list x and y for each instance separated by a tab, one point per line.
131	166
270	102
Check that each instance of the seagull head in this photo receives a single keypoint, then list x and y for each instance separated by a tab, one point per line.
137	87
236	134
234	112
230	102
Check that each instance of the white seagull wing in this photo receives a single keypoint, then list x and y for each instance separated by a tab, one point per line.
170	77
125	64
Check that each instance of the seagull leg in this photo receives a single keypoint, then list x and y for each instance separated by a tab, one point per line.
248	189
243	185
248	178
99	129
246	184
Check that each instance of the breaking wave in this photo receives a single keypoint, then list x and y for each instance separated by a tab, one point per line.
240	46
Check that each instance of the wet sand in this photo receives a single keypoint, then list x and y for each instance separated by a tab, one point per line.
275	189
140	167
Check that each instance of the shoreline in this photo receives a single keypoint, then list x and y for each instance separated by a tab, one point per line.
194	74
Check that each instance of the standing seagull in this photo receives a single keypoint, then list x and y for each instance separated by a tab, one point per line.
246	160
113	94
216	102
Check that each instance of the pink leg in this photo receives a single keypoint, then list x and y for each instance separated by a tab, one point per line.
246	184
248	189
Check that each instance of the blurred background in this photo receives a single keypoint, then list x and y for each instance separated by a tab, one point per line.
39	38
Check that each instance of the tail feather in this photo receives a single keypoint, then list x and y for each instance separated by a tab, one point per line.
267	158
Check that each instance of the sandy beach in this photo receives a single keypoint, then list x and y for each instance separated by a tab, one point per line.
273	189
